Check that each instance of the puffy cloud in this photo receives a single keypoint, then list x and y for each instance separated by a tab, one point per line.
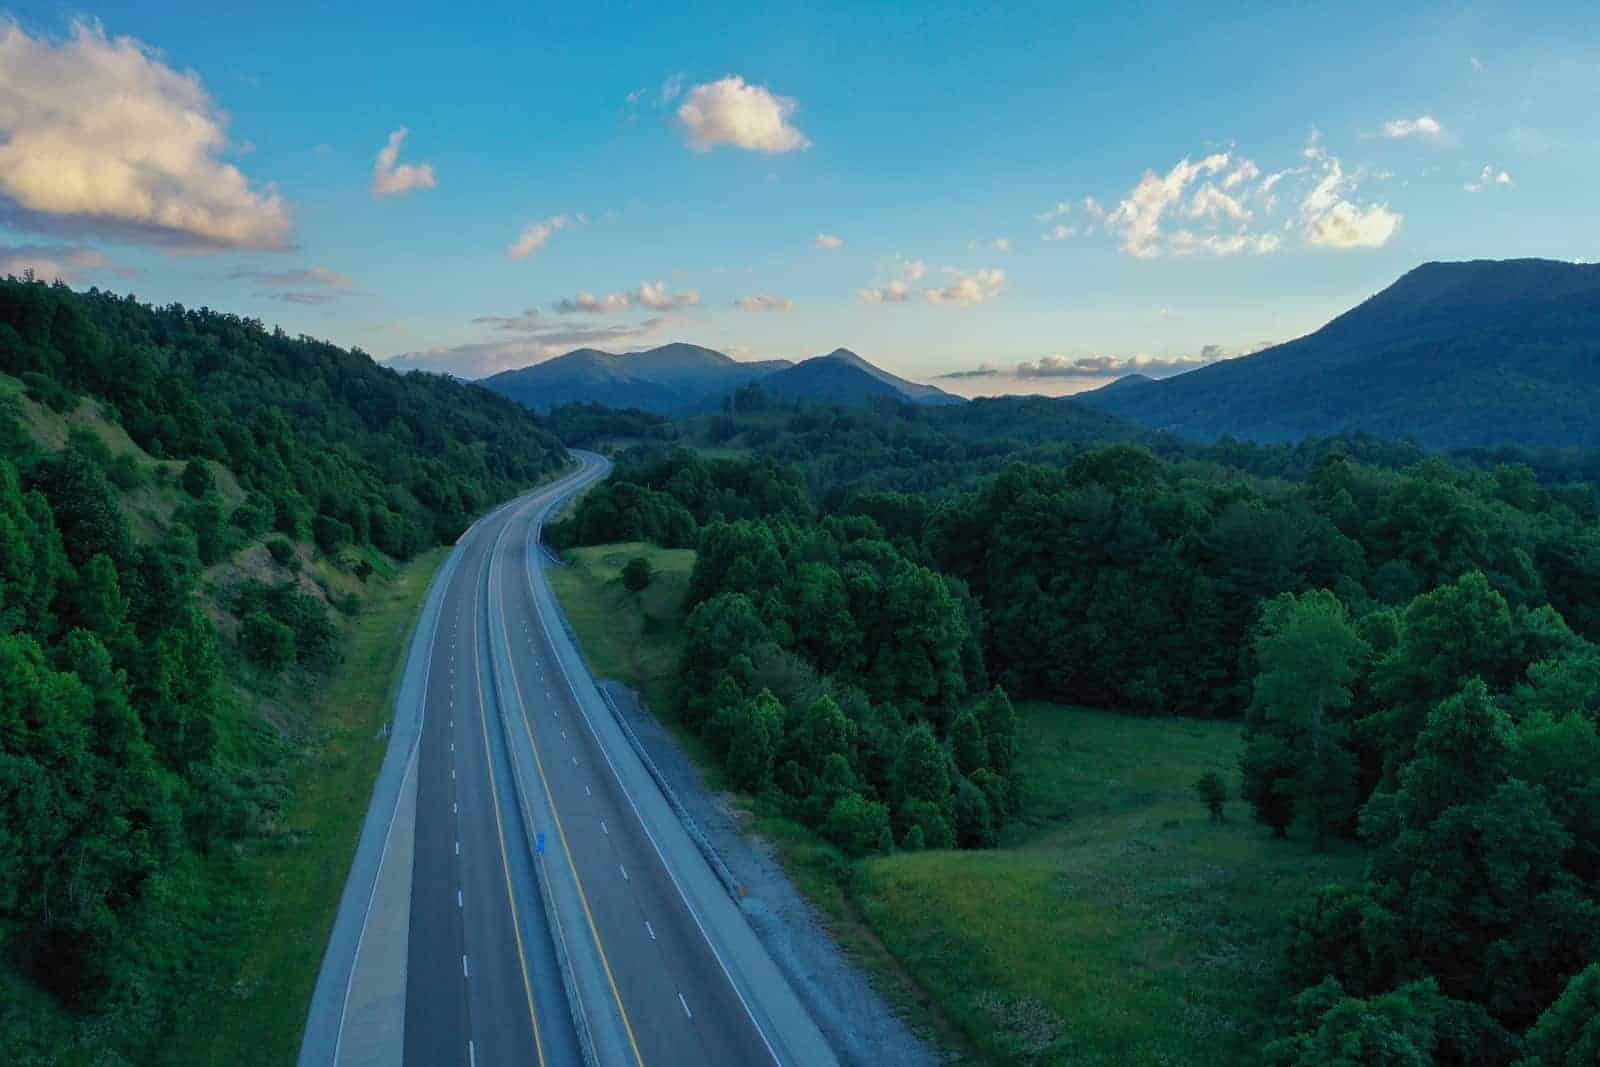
829	241
896	292
98	136
913	269
653	295
57	263
1137	218
388	179
1329	218
1489	178
588	303
538	234
1058	232
1001	244
1212	203
1424	126
763	302
534	338
968	289
1246	171
732	112
1117	366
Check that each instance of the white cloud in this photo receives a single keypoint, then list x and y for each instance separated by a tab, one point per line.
968	289
1001	244
1477	64
533	338
896	292
829	241
1186	242
391	180
1211	202
733	112
101	137
1329	218
1057	232
1137	218
635	95
538	234
1094	208
1424	126
1061	208
763	302
653	295
1246	171
913	269
671	89
57	263
1489	178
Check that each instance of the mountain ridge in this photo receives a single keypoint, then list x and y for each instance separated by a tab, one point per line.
1454	355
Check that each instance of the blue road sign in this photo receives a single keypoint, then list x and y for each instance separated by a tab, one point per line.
538	843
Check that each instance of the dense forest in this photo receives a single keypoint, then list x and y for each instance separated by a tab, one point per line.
1408	639
129	772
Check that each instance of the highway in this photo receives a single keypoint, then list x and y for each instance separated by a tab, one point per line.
554	910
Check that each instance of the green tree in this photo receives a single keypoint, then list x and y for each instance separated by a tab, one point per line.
1310	657
196	479
636	574
857	825
268	642
967	743
1568	1033
754	730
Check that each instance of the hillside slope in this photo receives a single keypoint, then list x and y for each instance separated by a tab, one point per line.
842	377
1454	354
663	380
193	512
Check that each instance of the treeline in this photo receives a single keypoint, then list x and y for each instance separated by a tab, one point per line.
327	441
829	672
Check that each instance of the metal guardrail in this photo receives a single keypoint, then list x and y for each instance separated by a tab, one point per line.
719	866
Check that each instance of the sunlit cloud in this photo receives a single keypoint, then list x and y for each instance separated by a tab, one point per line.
390	178
730	111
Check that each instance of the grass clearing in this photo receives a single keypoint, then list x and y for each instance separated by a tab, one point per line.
1118	924
635	638
256	1014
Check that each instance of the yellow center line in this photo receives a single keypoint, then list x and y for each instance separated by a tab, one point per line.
494	797
561	832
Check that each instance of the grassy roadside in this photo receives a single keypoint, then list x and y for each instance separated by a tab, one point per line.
1117	924
257	1016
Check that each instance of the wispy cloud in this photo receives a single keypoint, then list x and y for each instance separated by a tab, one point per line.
537	234
58	263
1424	127
1331	217
653	295
390	178
1490	178
829	241
731	111
763	302
102	138
532	338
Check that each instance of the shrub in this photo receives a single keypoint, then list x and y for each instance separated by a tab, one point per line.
1213	793
196	479
266	641
283	552
857	825
636	575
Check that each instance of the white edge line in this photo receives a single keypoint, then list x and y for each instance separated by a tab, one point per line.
538	524
388	834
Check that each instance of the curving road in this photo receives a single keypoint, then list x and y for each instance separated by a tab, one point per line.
612	942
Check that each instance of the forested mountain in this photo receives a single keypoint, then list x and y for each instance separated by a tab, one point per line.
673	377
842	377
188	502
1454	355
683	378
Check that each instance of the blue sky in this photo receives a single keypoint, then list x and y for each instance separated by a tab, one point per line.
686	160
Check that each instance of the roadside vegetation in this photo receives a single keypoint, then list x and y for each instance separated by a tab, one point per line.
1400	649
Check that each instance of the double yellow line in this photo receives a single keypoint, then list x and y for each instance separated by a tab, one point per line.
554	814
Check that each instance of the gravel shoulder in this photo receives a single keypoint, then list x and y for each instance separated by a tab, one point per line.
860	1025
